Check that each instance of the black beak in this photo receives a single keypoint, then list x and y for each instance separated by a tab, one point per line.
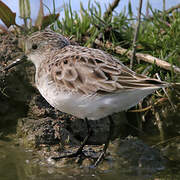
16	62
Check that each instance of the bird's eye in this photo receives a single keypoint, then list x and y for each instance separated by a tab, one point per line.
34	46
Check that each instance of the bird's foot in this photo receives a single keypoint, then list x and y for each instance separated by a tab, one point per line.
96	157
99	159
79	152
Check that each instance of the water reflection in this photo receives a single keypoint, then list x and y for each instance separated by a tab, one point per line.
13	161
19	164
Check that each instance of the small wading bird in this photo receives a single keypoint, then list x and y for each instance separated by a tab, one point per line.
87	83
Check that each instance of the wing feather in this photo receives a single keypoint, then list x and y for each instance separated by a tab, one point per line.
90	71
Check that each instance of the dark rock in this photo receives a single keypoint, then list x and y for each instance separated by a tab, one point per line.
139	157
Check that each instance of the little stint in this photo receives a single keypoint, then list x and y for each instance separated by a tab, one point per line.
85	82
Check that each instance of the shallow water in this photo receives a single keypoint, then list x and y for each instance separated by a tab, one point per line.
20	164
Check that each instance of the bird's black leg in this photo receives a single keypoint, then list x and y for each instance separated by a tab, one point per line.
79	151
101	156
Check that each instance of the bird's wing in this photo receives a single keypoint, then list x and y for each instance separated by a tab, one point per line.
89	71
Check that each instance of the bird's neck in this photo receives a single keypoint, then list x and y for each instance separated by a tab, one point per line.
38	58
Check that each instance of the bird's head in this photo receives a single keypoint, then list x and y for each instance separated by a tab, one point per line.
39	43
41	40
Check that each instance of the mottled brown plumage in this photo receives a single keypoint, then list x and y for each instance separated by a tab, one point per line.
86	82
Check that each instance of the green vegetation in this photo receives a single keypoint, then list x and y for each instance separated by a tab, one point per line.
159	35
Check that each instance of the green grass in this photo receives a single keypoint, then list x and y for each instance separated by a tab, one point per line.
159	35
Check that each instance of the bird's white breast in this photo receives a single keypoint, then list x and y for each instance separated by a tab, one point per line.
91	107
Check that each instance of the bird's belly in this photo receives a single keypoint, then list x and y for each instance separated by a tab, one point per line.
72	104
81	106
91	107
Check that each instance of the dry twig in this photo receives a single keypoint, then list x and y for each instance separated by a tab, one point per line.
167	94
164	5
140	56
150	106
136	34
111	8
170	10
